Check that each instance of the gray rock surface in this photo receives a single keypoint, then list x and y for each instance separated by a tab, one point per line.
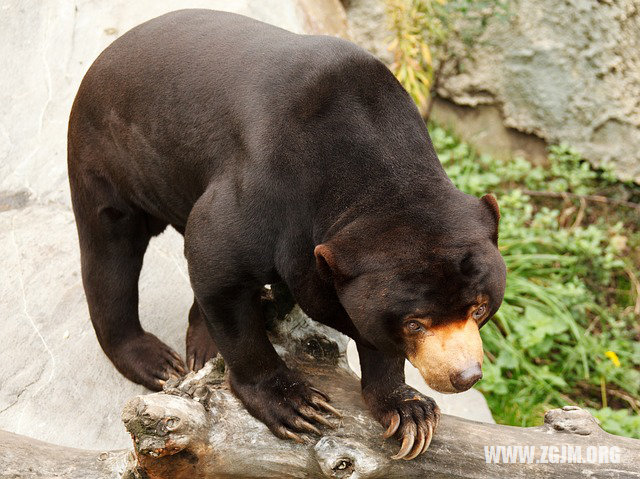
564	71
46	48
368	27
54	376
544	73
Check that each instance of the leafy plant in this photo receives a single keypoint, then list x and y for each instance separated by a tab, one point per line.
418	27
421	31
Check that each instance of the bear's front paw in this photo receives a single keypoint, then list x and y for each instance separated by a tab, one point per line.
408	415
286	404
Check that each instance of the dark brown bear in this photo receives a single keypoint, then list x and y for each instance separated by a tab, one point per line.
280	157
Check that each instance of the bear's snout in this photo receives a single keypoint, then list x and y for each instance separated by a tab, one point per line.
449	356
463	380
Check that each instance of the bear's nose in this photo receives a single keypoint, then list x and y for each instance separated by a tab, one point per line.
463	380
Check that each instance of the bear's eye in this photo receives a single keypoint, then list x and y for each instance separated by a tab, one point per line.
480	311
413	326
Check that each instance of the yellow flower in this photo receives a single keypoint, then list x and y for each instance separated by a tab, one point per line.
614	358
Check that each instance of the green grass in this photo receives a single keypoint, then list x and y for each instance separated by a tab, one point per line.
568	330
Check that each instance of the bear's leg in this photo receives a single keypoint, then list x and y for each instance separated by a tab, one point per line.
200	345
227	281
407	414
113	238
271	392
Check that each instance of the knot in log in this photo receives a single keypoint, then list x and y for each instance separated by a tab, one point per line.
573	420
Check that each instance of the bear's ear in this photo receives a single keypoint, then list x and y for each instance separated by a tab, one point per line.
327	264
492	203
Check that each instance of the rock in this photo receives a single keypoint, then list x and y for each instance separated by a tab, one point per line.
483	127
544	73
562	71
55	376
323	17
49	46
368	27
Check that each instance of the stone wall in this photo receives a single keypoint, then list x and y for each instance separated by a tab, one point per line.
548	71
565	71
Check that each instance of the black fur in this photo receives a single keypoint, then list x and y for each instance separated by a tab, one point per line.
259	145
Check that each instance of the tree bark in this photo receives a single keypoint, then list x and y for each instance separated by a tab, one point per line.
197	429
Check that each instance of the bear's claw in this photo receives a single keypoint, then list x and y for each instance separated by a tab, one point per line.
415	424
393	426
200	346
408	415
292	435
327	407
286	404
146	360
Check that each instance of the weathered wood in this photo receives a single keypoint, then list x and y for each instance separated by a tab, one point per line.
26	458
196	429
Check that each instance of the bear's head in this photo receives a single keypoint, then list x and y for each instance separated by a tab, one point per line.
421	284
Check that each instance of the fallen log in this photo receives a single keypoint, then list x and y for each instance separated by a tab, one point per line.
197	429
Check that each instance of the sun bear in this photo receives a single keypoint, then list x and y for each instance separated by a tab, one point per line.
280	158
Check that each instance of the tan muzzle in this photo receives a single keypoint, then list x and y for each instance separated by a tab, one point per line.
449	356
